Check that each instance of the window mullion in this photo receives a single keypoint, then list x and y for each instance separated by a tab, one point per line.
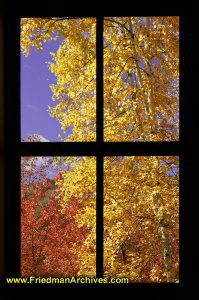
99	121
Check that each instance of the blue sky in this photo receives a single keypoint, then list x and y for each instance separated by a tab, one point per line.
42	163
36	95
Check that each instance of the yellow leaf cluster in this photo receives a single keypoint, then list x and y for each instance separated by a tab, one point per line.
131	214
74	67
141	72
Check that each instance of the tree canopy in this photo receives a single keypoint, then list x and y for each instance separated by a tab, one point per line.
54	241
74	66
141	75
142	215
141	210
141	91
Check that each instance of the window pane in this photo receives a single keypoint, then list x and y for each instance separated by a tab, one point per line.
58	216
58	79
141	79
141	209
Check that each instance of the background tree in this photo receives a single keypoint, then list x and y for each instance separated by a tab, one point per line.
48	235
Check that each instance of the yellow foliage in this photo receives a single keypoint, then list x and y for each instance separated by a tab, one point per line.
80	181
141	75
138	192
75	68
131	214
141	71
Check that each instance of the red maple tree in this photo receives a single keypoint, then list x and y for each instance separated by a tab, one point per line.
47	234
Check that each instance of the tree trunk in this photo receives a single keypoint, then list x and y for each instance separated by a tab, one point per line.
166	253
147	103
162	223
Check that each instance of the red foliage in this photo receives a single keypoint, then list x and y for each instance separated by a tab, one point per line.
47	240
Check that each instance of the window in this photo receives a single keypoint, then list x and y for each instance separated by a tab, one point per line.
155	137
